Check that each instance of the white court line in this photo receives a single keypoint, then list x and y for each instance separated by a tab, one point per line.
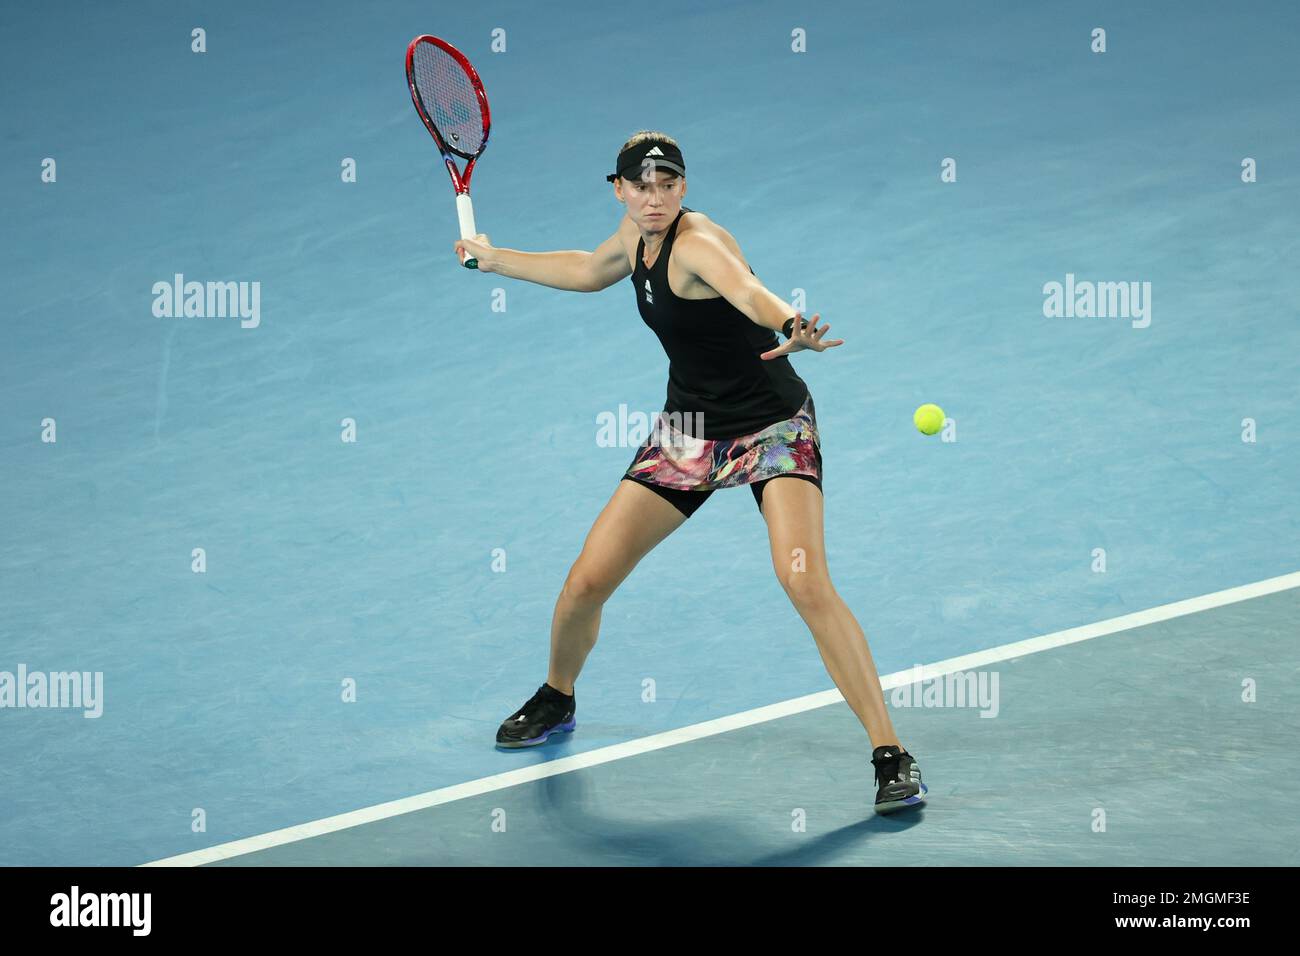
709	728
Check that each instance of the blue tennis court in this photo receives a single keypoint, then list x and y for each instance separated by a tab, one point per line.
303	558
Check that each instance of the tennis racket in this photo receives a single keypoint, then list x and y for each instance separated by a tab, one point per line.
449	97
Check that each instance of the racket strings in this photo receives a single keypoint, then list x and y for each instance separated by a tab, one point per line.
448	96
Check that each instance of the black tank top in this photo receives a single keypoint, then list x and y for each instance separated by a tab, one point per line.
713	363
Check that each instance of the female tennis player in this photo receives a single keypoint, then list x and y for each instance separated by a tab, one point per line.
736	414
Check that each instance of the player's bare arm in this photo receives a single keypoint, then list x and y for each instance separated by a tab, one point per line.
573	270
709	259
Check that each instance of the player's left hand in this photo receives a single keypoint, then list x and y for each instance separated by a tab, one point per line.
804	336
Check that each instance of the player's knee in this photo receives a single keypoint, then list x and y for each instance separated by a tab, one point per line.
808	590
587	586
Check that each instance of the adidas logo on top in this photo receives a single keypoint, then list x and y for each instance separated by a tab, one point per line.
655	151
649	293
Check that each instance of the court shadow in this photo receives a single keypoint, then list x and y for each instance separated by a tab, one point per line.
573	811
826	848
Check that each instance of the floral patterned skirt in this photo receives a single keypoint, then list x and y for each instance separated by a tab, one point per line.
672	459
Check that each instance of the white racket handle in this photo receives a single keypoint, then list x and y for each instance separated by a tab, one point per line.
465	213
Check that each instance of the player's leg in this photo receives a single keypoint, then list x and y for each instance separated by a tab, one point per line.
636	519
633	522
792	508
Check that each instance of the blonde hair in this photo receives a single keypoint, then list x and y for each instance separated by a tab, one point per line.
642	135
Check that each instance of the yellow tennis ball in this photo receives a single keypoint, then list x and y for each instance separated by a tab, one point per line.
928	419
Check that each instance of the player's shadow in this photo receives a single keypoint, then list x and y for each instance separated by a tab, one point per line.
712	840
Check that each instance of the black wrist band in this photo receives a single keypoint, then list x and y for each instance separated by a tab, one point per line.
788	329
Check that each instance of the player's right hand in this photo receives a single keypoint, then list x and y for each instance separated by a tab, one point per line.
480	247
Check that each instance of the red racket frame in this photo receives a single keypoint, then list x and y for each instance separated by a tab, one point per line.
459	180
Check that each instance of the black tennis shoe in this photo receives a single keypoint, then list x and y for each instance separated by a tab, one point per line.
547	712
899	780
